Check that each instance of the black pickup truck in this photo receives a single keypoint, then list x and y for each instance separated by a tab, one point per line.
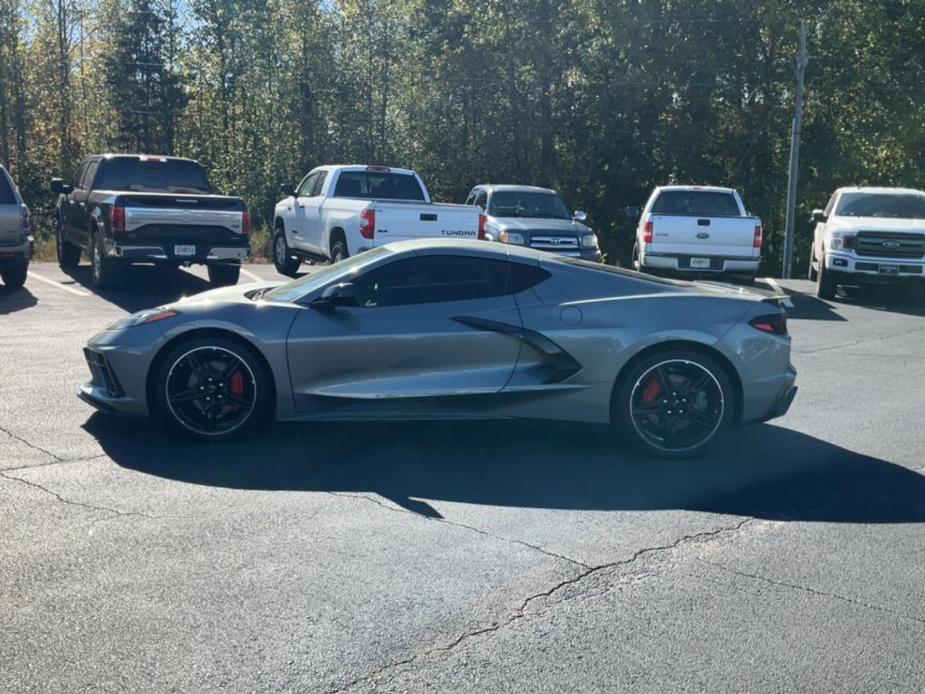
124	209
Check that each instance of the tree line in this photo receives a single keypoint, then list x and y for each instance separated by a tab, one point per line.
601	99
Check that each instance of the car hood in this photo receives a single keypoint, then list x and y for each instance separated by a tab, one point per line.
565	227
223	295
875	224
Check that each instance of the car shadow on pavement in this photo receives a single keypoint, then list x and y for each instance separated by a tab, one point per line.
907	300
146	286
16	300
763	471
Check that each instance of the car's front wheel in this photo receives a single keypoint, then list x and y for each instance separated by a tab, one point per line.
14	277
68	253
675	403
826	284
283	260
212	389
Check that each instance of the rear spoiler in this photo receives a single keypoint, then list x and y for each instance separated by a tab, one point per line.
775	298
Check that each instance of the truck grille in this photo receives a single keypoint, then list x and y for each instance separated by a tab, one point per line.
102	374
890	245
555	244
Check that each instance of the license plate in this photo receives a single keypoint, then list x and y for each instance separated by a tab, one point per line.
184	250
700	262
889	270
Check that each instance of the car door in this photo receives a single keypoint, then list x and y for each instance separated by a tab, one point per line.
79	202
410	335
299	226
67	210
311	208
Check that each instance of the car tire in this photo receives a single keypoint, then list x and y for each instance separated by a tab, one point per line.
106	273
14	277
232	404
225	275
826	285
697	409
637	263
68	254
338	249
812	274
283	261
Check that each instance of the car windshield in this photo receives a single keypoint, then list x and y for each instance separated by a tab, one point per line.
892	205
513	203
295	290
699	203
378	185
154	174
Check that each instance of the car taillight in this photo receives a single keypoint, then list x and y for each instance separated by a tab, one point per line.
368	224
648	232
775	324
483	225
25	221
118	219
246	222
759	234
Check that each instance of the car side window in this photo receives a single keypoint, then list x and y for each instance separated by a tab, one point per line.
431	279
831	205
89	175
523	277
78	177
306	186
471	199
319	184
481	200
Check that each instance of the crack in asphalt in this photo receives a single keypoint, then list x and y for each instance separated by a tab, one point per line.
858	342
463	526
31	445
60	461
521	611
81	504
814	591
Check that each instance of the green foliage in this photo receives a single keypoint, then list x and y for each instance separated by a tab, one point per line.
602	99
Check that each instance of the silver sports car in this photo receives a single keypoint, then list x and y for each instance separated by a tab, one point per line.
455	330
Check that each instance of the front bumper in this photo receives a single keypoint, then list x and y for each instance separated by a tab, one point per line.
853	269
201	253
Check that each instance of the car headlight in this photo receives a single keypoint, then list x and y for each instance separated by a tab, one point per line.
150	315
589	241
840	241
511	237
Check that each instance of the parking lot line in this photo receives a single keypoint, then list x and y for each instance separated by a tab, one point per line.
777	288
62	287
250	275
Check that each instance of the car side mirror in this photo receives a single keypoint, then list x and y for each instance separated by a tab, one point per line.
59	187
580	216
343	294
287	190
819	217
633	214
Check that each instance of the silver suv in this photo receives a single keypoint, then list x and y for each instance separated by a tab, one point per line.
15	234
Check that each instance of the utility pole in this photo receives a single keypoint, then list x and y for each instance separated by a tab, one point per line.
802	60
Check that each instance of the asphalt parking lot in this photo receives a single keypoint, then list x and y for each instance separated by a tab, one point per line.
461	557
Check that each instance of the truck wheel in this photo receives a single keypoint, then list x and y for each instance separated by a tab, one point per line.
68	253
105	272
14	277
283	261
637	263
338	250
825	282
224	275
812	274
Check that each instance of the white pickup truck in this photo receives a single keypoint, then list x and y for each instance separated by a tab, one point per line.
869	236
339	211
697	230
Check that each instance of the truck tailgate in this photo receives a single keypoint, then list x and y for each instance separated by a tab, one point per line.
403	221
706	236
137	217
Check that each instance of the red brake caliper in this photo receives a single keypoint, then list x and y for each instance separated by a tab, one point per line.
652	391
236	385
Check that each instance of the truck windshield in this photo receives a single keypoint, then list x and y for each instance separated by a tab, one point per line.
161	175
697	203
892	205
378	185
6	191
512	203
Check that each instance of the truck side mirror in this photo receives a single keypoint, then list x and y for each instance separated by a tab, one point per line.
59	187
819	217
287	190
633	214
580	216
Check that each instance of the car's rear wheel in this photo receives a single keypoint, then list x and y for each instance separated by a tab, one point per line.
339	248
826	286
68	253
14	277
106	272
637	263
212	389
675	403
225	275
283	261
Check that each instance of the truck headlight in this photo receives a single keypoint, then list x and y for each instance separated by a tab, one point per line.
511	237
589	241
840	241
